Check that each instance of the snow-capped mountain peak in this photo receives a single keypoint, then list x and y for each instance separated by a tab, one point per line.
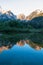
39	11
34	14
6	15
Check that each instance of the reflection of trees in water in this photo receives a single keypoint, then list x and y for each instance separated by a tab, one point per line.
22	43
12	38
34	45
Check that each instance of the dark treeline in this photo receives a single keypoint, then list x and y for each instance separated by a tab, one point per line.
22	25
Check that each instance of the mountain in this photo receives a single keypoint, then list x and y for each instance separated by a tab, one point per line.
37	22
21	16
34	14
7	15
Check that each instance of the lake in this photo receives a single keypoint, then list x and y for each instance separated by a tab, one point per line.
22	55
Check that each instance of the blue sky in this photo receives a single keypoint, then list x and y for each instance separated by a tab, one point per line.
21	6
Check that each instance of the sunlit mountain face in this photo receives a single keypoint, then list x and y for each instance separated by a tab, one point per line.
32	15
21	16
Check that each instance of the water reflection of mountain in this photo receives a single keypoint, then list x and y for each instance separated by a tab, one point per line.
21	55
21	43
34	45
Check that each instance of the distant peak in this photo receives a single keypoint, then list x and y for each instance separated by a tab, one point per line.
21	16
35	13
39	11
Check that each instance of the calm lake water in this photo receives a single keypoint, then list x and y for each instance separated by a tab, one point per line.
21	55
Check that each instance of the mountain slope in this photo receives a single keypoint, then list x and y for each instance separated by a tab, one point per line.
21	16
34	14
7	15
